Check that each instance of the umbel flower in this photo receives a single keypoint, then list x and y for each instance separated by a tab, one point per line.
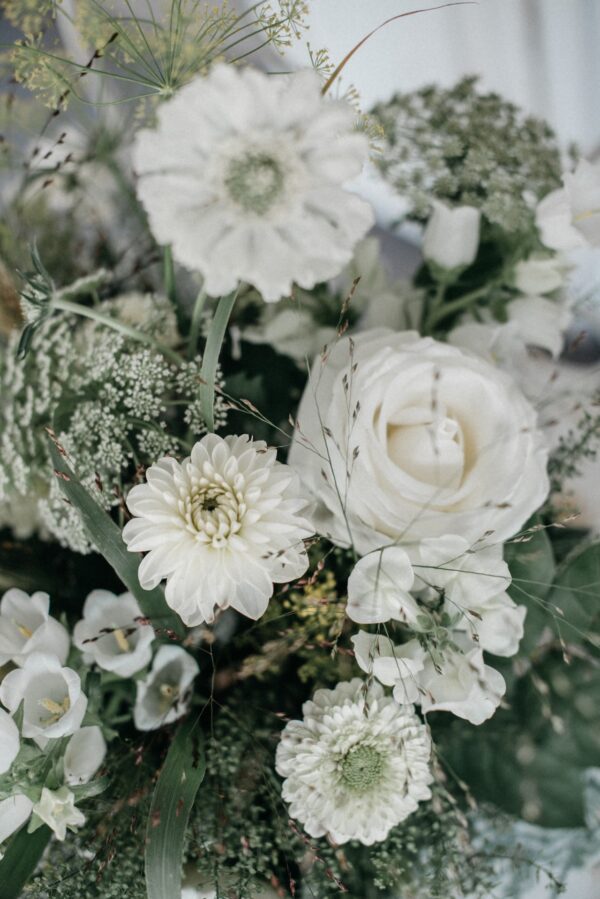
244	176
356	766
222	526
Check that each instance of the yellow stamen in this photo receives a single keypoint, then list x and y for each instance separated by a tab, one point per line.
56	709
121	640
24	631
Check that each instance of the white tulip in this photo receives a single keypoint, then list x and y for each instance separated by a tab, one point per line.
26	627
111	635
14	812
56	808
569	217
84	754
9	741
53	704
539	275
451	237
378	588
163	695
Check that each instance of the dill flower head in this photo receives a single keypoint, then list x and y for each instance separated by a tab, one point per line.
356	765
222	526
244	177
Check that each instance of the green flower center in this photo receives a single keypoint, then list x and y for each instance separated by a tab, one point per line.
362	768
254	181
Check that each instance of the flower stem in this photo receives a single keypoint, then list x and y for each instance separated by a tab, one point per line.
211	358
196	323
169	275
442	311
116	325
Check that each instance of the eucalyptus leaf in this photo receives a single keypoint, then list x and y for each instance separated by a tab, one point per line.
106	536
174	796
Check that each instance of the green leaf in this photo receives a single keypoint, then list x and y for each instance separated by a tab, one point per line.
174	796
20	860
107	537
576	589
210	359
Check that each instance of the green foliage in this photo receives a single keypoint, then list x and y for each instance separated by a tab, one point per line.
20	860
578	446
172	801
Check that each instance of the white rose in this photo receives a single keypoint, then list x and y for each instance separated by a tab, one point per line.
378	588
26	626
400	438
53	704
451	237
112	635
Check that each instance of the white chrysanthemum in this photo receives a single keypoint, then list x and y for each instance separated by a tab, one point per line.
356	765
244	177
222	526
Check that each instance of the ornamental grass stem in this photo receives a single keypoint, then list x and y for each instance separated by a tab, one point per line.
121	327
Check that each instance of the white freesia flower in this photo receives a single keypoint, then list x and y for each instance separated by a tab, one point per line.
84	754
356	765
26	626
14	812
400	438
395	666
378	588
244	176
56	808
465	686
451	237
9	741
222	526
570	217
163	695
53	704
112	635
537	275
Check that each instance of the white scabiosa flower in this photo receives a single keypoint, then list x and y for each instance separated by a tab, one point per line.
53	704
356	765
9	741
26	626
162	697
84	754
56	808
222	526
112	634
244	176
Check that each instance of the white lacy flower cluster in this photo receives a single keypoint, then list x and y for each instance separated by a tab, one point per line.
44	701
108	396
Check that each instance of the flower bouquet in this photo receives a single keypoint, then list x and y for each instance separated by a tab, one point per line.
295	598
